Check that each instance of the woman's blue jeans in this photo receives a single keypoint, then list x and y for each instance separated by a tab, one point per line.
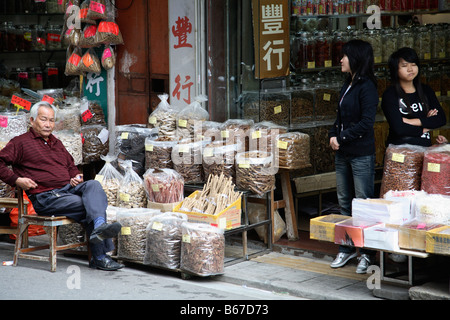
355	178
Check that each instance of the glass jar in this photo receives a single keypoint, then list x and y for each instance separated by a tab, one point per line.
302	103
39	38
35	77
438	45
422	43
405	37
40	6
322	50
21	76
445	81
11	32
27	6
306	48
433	79
20	42
336	51
51	75
390	43
373	36
54	37
27	38
52	6
4	36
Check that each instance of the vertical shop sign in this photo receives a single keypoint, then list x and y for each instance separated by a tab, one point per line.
271	34
95	89
182	51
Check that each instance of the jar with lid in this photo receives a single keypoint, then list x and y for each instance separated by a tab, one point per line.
51	75
302	103
322	50
433	79
52	6
306	48
28	6
405	37
422	43
27	39
35	78
445	80
21	76
20	42
12	34
339	40
4	36
438	45
390	43
54	37
373	36
40	6
39	38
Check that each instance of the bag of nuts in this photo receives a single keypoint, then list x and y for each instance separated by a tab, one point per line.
131	193
190	118
164	117
164	235
255	171
110	179
402	168
202	249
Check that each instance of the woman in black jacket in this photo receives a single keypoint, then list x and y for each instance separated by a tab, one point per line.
411	108
352	137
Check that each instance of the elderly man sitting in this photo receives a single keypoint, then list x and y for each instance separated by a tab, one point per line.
43	168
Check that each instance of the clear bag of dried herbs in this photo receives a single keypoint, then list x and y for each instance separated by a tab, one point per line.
202	249
164	235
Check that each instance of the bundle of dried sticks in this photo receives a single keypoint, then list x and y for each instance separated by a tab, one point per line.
217	194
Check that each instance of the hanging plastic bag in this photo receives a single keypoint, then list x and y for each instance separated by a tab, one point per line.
73	62
90	62
108	58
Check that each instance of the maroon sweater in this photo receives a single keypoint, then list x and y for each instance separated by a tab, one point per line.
46	162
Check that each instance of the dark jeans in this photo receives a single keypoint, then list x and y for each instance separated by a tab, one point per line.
355	178
82	203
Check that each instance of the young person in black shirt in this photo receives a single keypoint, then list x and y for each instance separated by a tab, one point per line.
411	108
352	138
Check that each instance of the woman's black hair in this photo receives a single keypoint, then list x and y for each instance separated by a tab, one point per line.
360	57
409	55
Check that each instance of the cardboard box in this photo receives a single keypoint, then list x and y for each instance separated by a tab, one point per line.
412	235
350	232
315	182
227	219
322	228
379	210
438	240
381	238
163	207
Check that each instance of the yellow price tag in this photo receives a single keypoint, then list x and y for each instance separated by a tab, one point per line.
398	157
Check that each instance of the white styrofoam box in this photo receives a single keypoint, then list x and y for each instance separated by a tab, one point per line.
407	197
382	238
380	210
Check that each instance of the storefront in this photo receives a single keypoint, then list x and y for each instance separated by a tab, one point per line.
266	67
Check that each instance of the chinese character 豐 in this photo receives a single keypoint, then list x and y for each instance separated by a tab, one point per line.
181	30
272	18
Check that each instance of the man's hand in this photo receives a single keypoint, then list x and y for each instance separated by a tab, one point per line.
26	183
334	144
76	180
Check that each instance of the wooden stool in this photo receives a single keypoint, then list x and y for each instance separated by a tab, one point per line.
50	225
21	205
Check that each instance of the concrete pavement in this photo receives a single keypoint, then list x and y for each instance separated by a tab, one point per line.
283	275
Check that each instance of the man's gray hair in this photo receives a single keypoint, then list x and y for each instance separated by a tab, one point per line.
35	108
